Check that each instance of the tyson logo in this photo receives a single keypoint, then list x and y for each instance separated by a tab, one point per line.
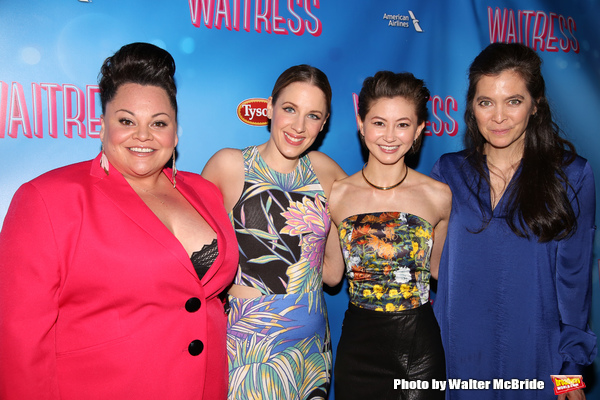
253	112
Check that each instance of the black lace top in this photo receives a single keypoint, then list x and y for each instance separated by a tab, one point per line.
205	257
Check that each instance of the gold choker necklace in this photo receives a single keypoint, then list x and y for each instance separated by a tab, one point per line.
383	187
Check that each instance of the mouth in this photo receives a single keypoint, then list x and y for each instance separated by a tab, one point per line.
141	149
388	149
292	139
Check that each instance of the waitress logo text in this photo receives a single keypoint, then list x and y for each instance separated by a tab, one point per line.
49	104
297	17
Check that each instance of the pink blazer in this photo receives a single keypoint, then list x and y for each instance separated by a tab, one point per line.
95	293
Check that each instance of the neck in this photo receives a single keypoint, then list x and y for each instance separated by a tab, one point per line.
385	174
503	159
147	183
275	160
384	177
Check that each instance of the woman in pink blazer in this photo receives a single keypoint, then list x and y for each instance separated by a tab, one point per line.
111	270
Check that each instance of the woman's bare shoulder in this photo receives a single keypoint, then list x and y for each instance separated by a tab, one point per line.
223	163
327	170
226	170
326	165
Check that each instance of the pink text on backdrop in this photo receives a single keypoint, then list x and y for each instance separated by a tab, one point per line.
264	15
19	115
441	107
536	29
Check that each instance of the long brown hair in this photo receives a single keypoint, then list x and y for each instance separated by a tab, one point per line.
538	201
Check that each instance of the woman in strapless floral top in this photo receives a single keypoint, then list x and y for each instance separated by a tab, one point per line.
386	215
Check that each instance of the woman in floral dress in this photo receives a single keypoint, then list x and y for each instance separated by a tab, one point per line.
276	194
386	214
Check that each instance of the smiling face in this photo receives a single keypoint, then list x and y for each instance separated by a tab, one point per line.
389	129
502	106
139	130
297	117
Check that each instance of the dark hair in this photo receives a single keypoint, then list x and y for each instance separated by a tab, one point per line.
303	73
141	63
538	200
387	84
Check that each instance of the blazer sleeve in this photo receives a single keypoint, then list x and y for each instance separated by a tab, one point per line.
29	287
577	344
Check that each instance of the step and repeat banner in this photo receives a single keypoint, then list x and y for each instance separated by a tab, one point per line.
229	53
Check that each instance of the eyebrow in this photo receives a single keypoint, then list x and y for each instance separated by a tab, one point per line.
396	120
295	105
512	96
153	116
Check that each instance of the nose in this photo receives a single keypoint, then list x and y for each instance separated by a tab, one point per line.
298	124
498	115
388	135
143	133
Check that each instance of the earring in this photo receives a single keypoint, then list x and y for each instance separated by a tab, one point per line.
104	161
174	171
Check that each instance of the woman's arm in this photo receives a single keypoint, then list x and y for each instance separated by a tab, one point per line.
577	344
333	268
30	282
443	203
439	238
333	263
328	172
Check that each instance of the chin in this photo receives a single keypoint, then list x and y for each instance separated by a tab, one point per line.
293	151
291	155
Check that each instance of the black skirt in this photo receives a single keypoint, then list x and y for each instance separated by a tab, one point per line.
390	355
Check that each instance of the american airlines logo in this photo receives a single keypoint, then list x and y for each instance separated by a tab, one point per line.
403	21
415	21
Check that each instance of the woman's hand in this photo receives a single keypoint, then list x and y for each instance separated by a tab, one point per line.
572	395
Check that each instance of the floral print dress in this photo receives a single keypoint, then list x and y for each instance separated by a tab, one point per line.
278	344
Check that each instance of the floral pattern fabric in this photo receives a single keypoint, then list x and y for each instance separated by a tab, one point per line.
387	260
278	344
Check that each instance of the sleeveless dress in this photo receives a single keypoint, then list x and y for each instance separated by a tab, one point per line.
390	347
278	344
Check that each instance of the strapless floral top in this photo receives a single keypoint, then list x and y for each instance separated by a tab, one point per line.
387	259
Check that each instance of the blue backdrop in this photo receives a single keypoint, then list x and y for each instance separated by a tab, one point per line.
229	52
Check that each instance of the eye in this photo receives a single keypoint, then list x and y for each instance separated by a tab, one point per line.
160	124
378	123
125	121
314	116
485	103
289	109
514	102
403	125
